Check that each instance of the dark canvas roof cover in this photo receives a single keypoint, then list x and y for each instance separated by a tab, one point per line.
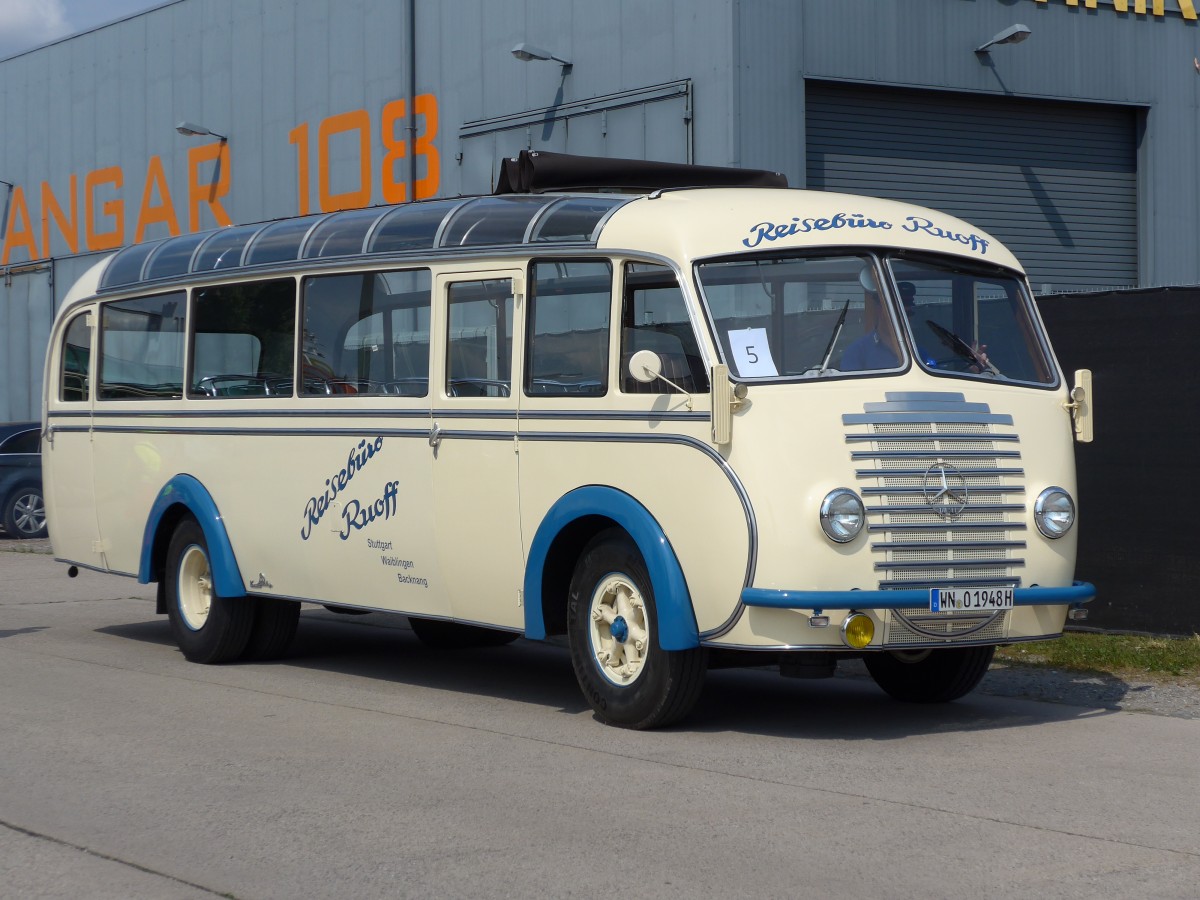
538	171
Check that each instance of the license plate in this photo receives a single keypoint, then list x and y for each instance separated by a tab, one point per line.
970	599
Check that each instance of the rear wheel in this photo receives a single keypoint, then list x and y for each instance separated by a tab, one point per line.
929	676
208	628
612	629
274	627
457	636
25	513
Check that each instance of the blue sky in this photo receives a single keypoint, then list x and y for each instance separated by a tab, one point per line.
25	24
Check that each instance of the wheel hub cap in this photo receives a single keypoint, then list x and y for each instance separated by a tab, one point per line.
195	587
620	630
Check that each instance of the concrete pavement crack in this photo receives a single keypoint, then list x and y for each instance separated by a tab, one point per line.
37	835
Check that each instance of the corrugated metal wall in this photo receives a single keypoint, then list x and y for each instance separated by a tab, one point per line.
26	314
313	97
308	93
1056	182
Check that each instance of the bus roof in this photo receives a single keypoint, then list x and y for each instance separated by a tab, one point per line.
685	223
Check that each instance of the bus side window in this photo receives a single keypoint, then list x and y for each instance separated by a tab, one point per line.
73	386
366	334
654	317
479	345
568	329
243	339
141	348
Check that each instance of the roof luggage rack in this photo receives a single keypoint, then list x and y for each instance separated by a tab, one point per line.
537	171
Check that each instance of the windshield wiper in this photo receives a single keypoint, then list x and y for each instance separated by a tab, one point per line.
837	330
962	348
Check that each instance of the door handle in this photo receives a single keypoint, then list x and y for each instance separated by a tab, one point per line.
435	435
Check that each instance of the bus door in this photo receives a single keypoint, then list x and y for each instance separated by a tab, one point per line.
473	440
69	487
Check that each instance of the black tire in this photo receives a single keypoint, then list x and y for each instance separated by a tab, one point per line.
627	683
457	636
25	513
274	627
219	633
930	676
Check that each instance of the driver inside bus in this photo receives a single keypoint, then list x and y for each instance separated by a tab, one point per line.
878	348
908	299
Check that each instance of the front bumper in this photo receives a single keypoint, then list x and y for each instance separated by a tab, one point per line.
1078	593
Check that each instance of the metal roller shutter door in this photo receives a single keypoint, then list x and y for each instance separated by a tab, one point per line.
1057	182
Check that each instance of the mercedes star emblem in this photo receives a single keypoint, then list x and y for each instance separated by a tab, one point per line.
945	490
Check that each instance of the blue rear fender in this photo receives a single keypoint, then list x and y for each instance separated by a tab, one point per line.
185	493
677	628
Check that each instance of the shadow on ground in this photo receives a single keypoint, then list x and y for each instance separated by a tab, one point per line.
382	648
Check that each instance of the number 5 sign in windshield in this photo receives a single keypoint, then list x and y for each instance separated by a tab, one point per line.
752	353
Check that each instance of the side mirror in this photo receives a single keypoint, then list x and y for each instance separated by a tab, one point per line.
645	366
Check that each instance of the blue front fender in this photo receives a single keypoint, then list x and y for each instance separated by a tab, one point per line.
676	619
184	490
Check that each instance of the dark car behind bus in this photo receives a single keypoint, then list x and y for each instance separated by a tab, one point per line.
22	506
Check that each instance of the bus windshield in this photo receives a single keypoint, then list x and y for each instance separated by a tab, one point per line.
790	317
970	322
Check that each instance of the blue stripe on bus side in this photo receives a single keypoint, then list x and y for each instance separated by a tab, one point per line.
184	490
677	629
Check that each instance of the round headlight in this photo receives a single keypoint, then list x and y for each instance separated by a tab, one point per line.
842	515
1054	512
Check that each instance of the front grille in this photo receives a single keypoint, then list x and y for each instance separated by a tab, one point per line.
944	489
919	627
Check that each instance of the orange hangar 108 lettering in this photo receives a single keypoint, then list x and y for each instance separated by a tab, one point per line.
103	209
106	209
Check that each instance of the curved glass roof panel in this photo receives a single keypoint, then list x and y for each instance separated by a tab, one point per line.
343	233
412	227
223	249
280	241
430	225
126	266
575	218
174	257
493	220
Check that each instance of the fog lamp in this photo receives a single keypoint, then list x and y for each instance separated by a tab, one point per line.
857	631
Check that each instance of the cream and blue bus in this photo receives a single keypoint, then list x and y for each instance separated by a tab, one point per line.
679	417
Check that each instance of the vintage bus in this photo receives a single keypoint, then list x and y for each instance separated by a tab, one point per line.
706	420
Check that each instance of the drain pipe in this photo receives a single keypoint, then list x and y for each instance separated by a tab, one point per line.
7	203
412	100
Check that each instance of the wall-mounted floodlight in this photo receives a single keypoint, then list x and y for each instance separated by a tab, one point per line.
528	52
1013	34
190	129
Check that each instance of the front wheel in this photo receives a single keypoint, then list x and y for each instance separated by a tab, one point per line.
25	513
929	676
612	624
208	628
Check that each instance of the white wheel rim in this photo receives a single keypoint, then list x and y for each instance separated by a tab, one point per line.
29	512
194	587
619	630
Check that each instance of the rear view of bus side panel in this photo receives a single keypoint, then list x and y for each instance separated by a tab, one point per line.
67	470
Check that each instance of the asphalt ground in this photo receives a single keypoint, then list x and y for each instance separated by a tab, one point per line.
366	765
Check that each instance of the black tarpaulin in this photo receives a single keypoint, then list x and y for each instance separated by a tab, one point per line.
533	172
